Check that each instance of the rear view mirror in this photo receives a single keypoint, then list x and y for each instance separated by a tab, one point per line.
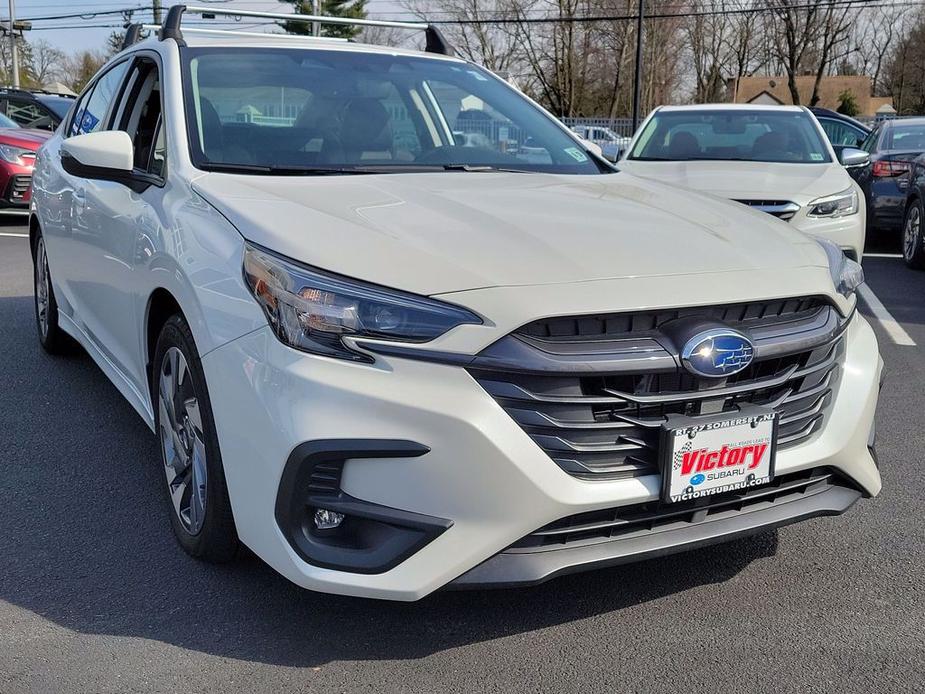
852	158
593	147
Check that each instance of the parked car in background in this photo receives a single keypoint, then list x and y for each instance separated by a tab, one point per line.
17	159
842	131
34	108
612	145
772	158
893	146
913	236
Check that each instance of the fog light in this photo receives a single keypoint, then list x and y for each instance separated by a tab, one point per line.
328	520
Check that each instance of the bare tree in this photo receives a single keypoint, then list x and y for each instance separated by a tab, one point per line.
808	35
48	63
877	32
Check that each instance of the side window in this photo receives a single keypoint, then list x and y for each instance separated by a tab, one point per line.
871	140
841	133
140	117
24	112
158	164
90	114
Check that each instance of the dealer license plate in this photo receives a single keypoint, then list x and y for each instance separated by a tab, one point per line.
704	456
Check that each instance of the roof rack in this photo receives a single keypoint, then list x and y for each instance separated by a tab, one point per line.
436	41
34	90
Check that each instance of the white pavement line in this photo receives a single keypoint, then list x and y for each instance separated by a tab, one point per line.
883	255
18	236
896	332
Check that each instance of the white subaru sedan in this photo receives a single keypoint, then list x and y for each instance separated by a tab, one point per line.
775	159
396	328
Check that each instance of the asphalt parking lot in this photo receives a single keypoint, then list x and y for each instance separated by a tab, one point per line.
95	595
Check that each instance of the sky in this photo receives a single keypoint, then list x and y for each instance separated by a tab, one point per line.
76	33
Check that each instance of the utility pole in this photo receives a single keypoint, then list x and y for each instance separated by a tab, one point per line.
316	10
637	86
156	10
14	52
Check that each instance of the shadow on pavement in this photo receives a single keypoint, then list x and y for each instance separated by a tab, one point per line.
86	543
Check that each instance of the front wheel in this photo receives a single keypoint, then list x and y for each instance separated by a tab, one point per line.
51	337
200	509
913	251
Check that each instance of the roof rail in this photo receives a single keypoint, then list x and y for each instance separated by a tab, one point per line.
223	32
132	35
436	41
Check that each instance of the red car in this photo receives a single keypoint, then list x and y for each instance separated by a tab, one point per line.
17	158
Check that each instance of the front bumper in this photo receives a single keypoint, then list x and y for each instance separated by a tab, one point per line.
482	474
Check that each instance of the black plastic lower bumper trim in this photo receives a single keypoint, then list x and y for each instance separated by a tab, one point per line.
509	569
373	538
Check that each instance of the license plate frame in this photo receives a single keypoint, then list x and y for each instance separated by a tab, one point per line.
729	431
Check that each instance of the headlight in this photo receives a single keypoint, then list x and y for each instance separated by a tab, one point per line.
312	311
14	155
833	206
847	275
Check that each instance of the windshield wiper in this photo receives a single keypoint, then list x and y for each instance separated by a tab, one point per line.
481	168
284	170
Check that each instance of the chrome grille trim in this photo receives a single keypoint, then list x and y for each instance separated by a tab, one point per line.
782	209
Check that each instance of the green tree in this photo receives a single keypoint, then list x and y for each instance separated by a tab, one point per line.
848	104
354	9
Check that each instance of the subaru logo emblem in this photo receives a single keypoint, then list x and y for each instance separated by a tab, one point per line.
717	353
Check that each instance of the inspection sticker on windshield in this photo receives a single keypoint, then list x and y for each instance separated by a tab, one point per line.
715	455
816	156
576	154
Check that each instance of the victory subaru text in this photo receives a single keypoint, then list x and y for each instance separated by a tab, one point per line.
396	328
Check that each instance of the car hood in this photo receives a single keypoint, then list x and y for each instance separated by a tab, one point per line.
27	138
746	180
432	233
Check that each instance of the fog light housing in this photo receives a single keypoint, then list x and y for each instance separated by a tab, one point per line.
328	520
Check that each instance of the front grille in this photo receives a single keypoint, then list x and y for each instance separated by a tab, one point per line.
625	522
608	425
19	186
782	209
740	316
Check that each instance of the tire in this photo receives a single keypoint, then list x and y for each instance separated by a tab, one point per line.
51	337
913	250
197	495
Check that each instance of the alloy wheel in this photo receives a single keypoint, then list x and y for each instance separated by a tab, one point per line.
41	286
182	440
912	232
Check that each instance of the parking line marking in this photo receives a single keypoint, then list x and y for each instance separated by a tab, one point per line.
896	332
883	255
17	236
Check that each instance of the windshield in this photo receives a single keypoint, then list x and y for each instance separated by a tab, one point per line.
724	135
268	110
7	122
59	105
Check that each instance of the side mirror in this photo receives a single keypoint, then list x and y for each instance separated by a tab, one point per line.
98	155
852	158
593	147
108	155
